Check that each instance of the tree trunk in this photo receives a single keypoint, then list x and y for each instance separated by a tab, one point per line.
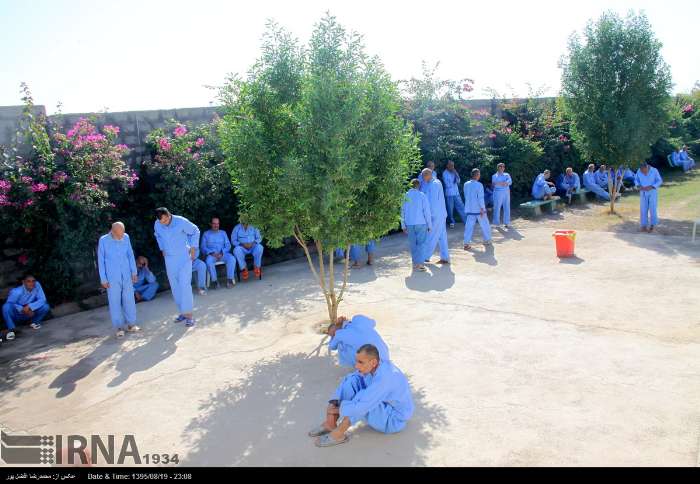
325	276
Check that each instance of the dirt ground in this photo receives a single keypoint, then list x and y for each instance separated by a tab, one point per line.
515	357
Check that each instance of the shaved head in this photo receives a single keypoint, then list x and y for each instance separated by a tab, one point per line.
118	230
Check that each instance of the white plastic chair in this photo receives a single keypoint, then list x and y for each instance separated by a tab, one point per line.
216	264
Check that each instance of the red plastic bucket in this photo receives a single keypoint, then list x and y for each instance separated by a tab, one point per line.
565	241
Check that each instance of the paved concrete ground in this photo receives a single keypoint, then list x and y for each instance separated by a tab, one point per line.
515	358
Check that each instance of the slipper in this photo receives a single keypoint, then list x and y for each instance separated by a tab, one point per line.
328	441
318	431
132	329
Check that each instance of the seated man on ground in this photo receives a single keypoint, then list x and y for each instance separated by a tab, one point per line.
347	336
543	189
146	285
601	177
217	248
246	239
25	303
356	252
590	183
376	393
569	183
685	160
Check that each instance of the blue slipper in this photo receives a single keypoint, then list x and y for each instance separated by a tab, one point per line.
180	319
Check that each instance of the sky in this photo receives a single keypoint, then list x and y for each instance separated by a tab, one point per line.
123	55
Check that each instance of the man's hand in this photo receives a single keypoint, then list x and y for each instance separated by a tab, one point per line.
483	212
248	246
192	252
333	410
341	320
106	285
27	310
218	256
134	278
162	252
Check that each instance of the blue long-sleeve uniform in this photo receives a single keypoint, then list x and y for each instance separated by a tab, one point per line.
175	240
19	297
648	200
601	178
540	188
117	266
590	183
452	197
438	212
474	203
357	332
146	283
416	220
217	242
247	235
685	160
382	399
569	183
501	197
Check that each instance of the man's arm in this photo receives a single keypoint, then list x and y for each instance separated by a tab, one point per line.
13	298
364	401
657	180
192	233
101	261
258	237
132	259
234	237
227	244
426	212
40	298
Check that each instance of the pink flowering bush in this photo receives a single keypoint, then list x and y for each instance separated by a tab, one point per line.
186	173
55	202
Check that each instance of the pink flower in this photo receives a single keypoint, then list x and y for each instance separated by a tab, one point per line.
5	186
112	130
164	144
199	143
27	179
180	131
189	149
509	130
39	187
563	138
23	259
122	148
688	108
60	177
195	156
492	136
4	201
28	203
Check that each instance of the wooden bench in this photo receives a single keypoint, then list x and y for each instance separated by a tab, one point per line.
537	207
581	196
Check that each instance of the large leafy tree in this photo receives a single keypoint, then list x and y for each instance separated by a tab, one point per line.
316	147
617	87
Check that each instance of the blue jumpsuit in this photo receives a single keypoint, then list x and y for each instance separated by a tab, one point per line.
589	182
241	235
200	269
452	196
216	242
569	184
438	212
474	203
685	160
416	220
355	333
382	399
17	298
601	179
541	188
648	200
501	198
146	284
356	250
175	241
116	264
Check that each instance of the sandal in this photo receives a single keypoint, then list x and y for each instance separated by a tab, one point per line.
328	441
132	328
120	333
318	431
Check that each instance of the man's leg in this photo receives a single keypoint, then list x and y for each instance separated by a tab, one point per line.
384	419
450	208
257	252
413	244
211	265
40	313
184	281
230	266
485	228
201	269
172	270
432	240
653	204
506	207
444	247
239	254
643	209
355	251
9	314
469	229
148	291
114	299
370	248
128	302
497	204
459	205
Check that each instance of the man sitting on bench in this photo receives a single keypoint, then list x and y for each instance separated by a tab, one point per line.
589	182
569	183
543	189
246	239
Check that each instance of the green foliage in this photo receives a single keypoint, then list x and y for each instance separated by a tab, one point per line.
616	86
436	109
314	142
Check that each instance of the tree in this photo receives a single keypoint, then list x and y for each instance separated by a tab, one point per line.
617	86
316	147
437	110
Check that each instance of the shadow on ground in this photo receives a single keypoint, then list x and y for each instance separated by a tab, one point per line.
670	237
437	278
264	420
